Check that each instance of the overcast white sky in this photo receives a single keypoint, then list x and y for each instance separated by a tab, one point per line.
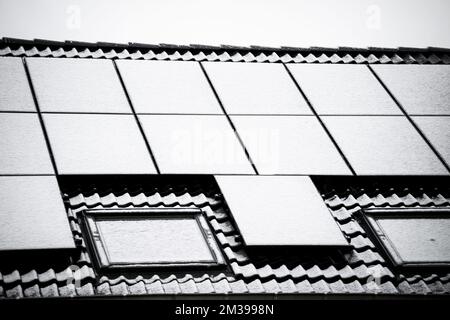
361	23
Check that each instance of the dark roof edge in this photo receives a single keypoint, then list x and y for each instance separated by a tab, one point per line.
254	296
198	52
15	42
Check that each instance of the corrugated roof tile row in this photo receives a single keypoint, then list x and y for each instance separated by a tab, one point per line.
42	48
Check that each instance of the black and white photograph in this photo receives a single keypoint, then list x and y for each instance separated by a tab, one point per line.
224	159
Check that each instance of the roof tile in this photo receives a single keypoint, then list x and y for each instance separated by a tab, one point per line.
155	287
222	286
172	287
15	292
239	286
29	277
265	272
338	287
304	287
447	287
104	288
47	276
272	286
188	286
288	286
32	292
205	286
298	272
330	273
321	286
420	287
50	290
436	287
354	287
11	277
405	288
85	290
138	288
255	286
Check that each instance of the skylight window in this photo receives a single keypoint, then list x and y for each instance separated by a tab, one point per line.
150	238
412	237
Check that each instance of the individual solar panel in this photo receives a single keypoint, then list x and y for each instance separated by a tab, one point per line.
168	87
98	144
437	130
23	149
383	145
195	144
256	88
32	214
289	145
77	85
420	89
279	211
15	93
343	89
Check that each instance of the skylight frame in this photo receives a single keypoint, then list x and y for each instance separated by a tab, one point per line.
371	216
98	249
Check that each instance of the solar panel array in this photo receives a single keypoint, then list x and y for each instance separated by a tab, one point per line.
137	117
67	116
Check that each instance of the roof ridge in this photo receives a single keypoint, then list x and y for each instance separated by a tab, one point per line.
227	48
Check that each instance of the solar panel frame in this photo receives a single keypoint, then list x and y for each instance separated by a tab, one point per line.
168	87
255	88
384	145
420	89
289	145
33	215
342	89
74	85
195	144
15	93
98	144
23	147
280	211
